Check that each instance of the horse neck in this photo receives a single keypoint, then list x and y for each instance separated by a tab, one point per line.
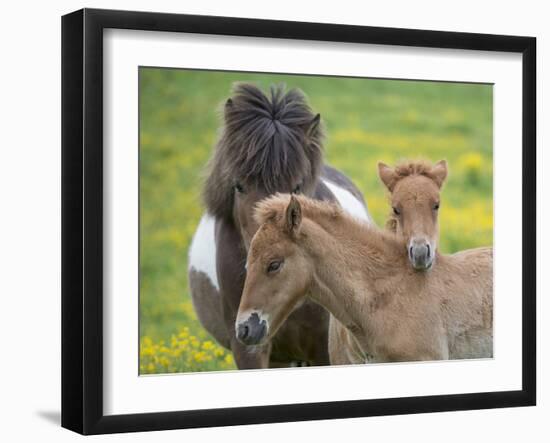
347	259
353	243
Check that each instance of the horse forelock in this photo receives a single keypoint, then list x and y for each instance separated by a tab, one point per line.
265	141
413	167
271	208
274	207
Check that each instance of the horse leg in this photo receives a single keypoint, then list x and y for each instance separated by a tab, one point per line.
342	346
208	307
203	284
250	357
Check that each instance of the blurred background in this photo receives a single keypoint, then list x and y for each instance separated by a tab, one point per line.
366	120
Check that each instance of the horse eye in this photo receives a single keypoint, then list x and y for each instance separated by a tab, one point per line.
274	266
239	188
436	206
297	189
396	211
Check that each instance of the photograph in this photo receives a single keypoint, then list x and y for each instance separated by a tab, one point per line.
293	221
271	221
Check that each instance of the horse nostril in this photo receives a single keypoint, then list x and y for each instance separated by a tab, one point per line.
428	248
411	252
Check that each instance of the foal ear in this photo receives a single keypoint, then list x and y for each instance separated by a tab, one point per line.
439	172
314	125
387	175
293	215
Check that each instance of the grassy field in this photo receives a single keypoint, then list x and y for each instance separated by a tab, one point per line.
366	120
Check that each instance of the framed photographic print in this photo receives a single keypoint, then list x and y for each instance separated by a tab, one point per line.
269	221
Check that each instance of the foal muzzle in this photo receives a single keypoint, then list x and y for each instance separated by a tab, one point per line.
421	255
252	330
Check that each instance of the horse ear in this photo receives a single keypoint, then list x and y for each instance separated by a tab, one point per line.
314	125
227	108
439	172
293	215
387	175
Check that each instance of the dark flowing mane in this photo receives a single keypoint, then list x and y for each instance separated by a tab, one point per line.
272	142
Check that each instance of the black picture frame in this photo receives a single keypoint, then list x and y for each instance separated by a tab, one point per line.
82	220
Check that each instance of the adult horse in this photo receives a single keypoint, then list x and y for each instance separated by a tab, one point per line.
268	144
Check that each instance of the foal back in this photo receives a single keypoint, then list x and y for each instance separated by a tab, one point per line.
467	308
445	313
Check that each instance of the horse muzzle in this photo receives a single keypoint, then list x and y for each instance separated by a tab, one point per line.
421	255
252	330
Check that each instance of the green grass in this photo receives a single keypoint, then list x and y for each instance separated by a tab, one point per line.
366	121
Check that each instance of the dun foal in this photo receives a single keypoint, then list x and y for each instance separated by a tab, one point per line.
361	275
414	188
414	195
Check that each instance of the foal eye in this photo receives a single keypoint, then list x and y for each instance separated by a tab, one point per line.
274	266
396	211
436	206
297	189
239	188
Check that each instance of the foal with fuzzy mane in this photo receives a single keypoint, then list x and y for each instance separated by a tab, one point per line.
414	188
360	274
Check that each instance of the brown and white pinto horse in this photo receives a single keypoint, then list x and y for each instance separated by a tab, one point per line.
268	144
